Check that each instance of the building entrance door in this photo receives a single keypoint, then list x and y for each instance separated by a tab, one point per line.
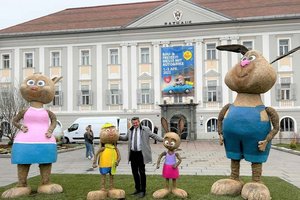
174	125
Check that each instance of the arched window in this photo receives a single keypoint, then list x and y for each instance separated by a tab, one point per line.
146	122
212	125
287	124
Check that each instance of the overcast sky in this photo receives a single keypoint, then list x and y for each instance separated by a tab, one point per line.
14	12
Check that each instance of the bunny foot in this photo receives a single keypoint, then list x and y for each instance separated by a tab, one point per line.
116	194
16	192
256	191
179	192
50	189
97	195
161	193
227	187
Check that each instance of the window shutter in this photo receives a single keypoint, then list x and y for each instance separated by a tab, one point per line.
277	92
139	96
293	92
79	99
151	96
205	90
91	97
108	98
219	93
121	97
61	100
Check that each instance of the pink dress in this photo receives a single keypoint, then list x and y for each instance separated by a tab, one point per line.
168	170
33	146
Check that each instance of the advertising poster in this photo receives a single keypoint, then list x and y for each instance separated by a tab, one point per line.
177	72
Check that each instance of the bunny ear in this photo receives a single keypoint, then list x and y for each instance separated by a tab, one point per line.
164	124
284	55
237	48
180	126
56	79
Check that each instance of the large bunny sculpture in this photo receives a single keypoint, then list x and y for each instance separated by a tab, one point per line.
108	158
245	126
170	169
34	143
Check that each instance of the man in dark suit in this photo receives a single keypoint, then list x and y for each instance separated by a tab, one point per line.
139	153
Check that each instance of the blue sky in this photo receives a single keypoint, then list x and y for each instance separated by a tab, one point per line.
14	12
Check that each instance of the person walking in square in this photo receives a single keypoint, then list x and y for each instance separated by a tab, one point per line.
139	153
88	138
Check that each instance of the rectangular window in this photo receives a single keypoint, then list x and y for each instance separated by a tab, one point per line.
211	51
29	60
114	56
285	88
248	44
114	94
55	59
212	91
86	97
283	46
85	57
145	56
57	101
6	61
145	93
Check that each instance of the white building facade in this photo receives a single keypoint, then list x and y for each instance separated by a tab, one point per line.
117	71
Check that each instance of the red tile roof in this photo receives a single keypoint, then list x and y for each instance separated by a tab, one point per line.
120	15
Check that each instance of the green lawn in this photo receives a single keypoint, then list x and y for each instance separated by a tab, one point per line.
76	187
288	146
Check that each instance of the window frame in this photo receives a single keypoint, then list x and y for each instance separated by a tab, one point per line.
55	61
26	59
283	49
211	53
145	57
85	60
114	59
6	63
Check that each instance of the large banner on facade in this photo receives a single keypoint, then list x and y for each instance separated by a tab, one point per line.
177	72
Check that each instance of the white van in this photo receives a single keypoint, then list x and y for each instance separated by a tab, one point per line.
75	133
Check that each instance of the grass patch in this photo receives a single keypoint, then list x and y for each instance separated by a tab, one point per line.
76	187
289	147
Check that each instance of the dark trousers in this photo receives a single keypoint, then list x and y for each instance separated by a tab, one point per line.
138	170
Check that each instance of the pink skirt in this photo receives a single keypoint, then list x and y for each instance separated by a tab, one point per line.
170	172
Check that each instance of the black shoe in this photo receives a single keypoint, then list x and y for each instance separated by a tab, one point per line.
135	192
141	195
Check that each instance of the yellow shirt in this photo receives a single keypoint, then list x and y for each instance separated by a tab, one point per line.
108	157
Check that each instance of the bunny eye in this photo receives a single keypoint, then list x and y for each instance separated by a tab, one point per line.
41	83
166	142
251	58
244	58
172	144
30	82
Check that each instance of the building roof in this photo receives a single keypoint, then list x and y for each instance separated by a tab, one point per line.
120	15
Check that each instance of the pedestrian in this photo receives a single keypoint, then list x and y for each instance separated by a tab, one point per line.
155	130
139	153
88	139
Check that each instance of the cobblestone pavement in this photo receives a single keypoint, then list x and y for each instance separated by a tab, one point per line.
199	158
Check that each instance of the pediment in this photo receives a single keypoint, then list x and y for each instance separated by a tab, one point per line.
145	76
178	12
212	73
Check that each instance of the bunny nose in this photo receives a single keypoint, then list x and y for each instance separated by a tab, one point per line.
245	62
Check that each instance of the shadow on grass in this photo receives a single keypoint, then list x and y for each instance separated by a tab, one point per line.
76	187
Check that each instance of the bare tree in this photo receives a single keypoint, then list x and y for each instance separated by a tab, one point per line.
11	102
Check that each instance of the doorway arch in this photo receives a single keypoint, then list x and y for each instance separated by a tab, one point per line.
174	125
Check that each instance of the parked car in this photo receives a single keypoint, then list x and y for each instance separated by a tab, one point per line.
75	133
178	89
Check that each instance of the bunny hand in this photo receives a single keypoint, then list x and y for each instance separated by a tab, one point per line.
262	145
221	139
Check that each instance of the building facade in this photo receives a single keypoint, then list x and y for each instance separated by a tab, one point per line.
122	66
